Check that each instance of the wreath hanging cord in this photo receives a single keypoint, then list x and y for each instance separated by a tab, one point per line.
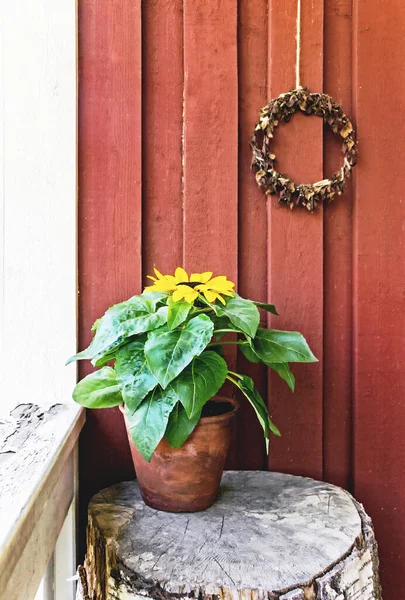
280	110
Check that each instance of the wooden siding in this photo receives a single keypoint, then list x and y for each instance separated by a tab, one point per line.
169	94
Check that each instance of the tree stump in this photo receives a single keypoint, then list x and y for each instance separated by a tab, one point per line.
269	535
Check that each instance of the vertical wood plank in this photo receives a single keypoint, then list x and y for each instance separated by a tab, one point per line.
337	356
210	136
162	143
252	71
295	280
211	142
379	267
109	202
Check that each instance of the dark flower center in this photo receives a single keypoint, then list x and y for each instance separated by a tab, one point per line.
191	284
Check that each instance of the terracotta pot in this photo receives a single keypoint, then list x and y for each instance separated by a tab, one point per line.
187	479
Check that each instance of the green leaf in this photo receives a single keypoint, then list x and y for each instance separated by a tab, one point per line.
105	359
244	314
273	346
250	354
281	368
285	373
247	387
157	332
98	390
223	322
154	297
169	352
219	350
133	374
120	322
178	312
147	424
200	381
95	325
180	427
269	307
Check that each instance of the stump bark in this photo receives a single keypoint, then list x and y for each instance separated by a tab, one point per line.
268	536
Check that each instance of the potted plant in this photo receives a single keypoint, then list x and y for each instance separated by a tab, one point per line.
166	348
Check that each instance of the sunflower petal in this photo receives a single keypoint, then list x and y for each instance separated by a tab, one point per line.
178	295
219	280
218	290
221	299
171	279
211	296
201	277
150	277
191	296
180	292
162	285
158	273
180	275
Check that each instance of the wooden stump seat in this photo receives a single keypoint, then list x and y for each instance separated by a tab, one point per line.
269	535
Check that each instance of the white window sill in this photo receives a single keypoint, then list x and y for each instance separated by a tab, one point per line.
38	481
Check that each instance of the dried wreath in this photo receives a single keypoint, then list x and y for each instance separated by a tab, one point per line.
281	109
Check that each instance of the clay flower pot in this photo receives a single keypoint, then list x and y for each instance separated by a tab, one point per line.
187	479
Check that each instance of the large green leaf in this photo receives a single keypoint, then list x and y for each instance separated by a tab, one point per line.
139	303
120	322
247	387
285	373
269	307
178	312
98	390
223	322
105	359
133	374
180	427
200	381
250	354
147	424
95	325
169	352
281	368
154	298
273	346
242	313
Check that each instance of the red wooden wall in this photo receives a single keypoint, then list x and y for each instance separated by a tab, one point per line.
169	94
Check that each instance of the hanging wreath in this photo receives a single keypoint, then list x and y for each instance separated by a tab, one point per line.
281	109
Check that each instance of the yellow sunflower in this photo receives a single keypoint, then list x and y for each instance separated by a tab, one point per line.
183	287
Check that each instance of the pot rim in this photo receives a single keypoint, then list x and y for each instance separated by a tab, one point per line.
224	416
214	418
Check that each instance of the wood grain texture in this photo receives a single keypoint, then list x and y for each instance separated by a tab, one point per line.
110	199
34	556
337	335
379	267
295	243
109	156
37	448
162	100
206	67
252	241
210	147
267	535
210	136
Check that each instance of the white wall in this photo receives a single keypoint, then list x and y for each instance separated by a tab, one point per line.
38	200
